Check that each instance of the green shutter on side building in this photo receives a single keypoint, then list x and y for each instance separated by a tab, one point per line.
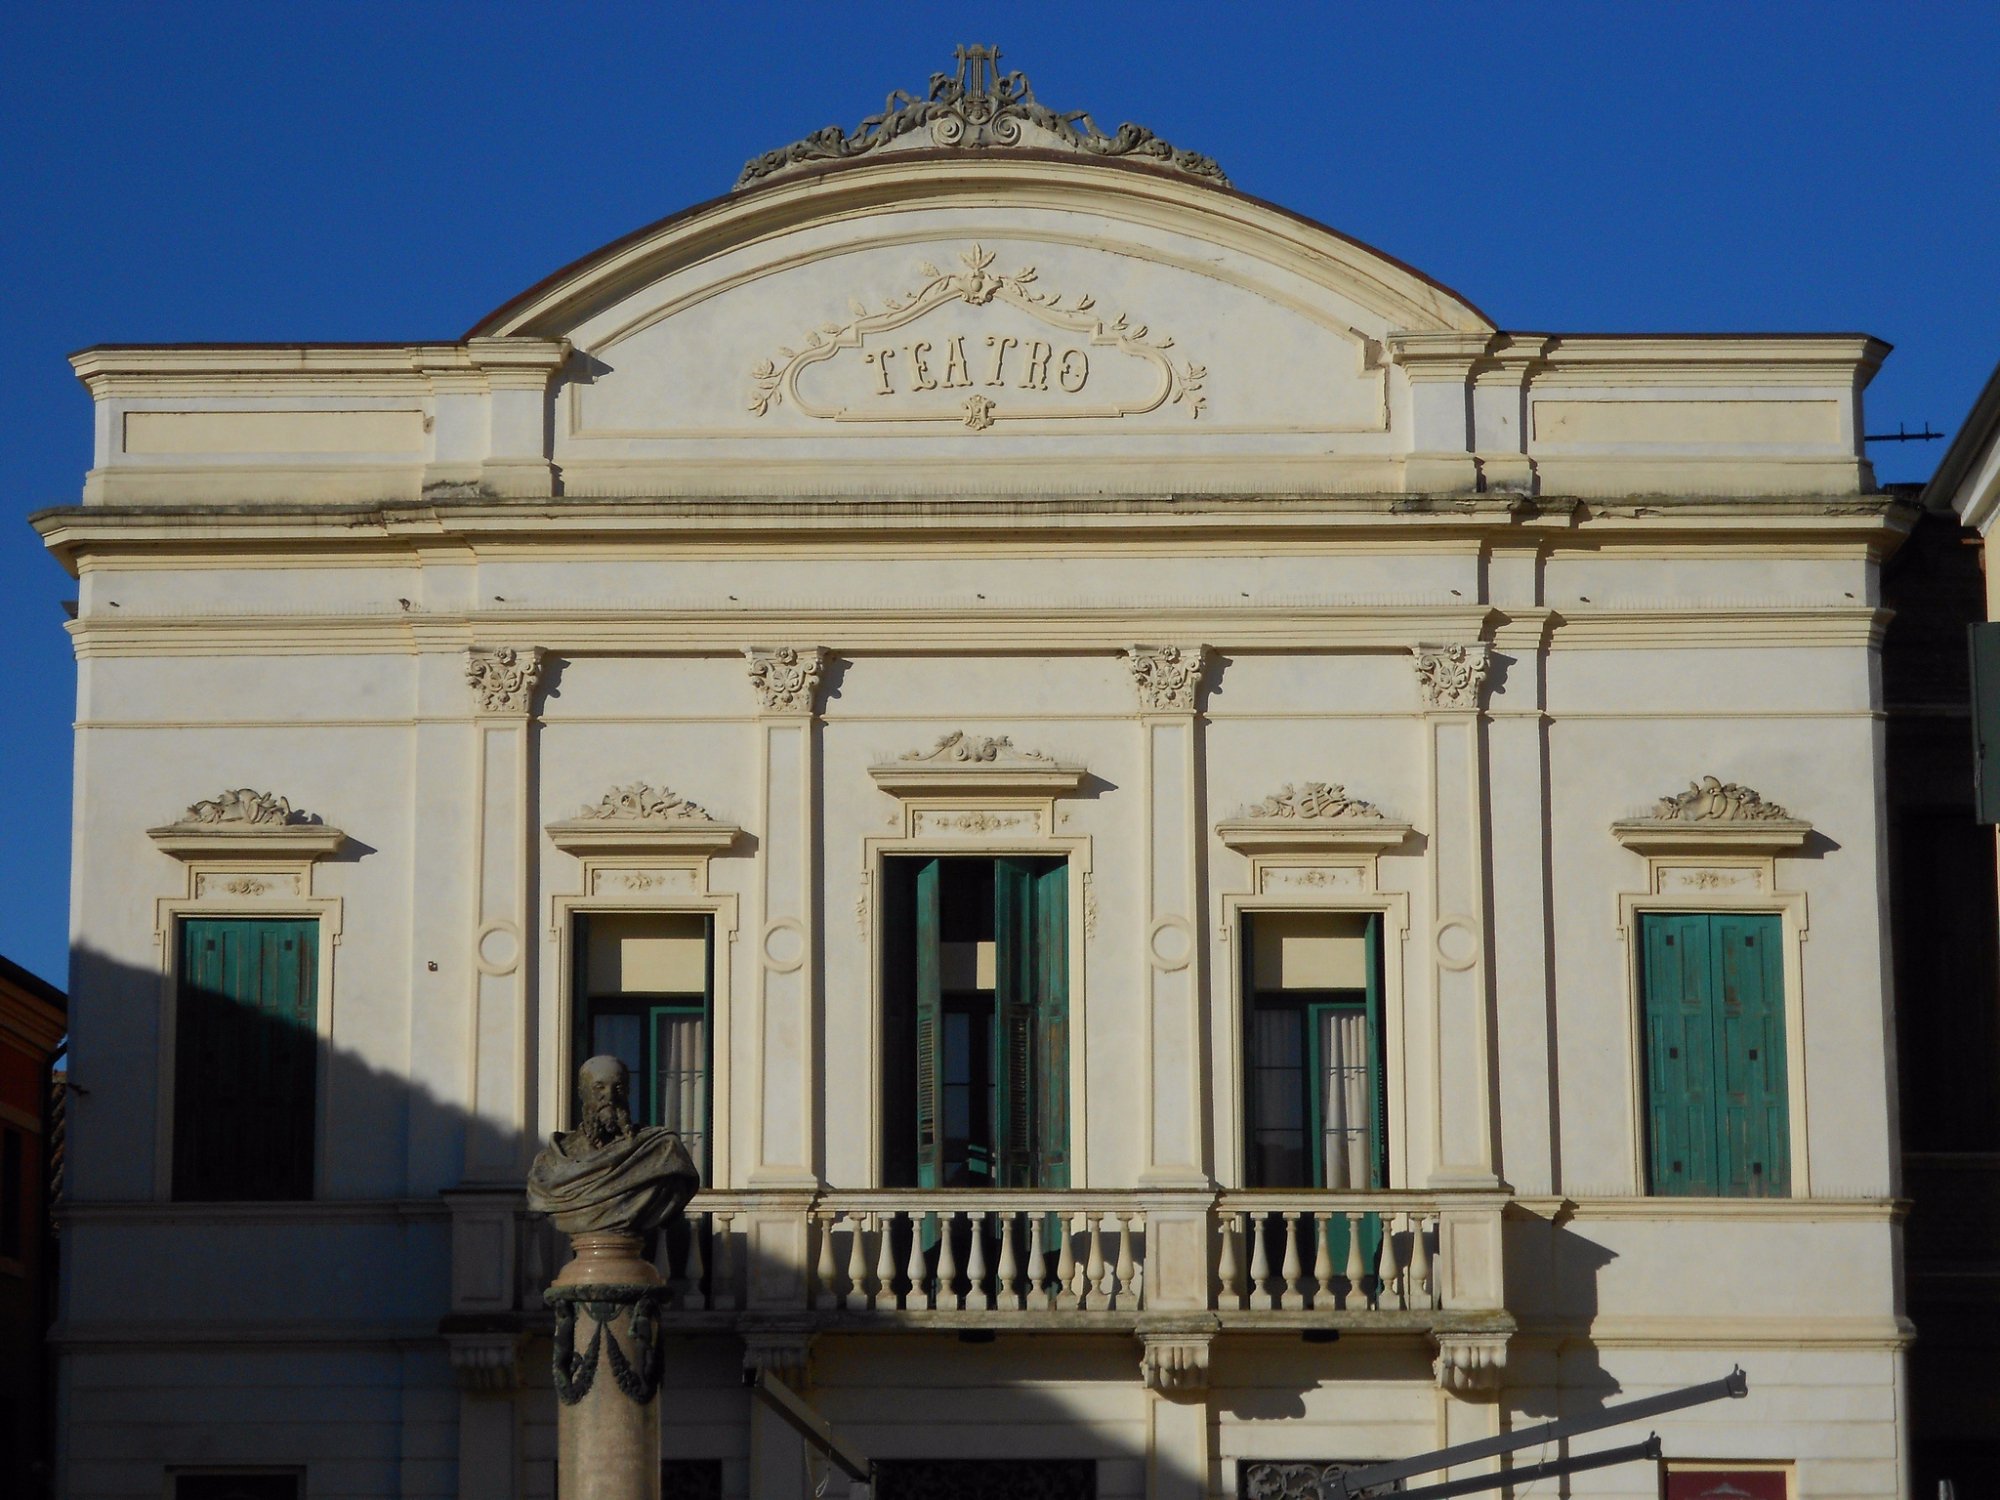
246	1054
1050	967
929	1001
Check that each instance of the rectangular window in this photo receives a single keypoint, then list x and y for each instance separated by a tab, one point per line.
1717	1113
1315	1106
644	991
976	1022
246	1058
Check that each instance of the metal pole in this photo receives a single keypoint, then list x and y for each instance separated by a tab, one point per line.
1629	1454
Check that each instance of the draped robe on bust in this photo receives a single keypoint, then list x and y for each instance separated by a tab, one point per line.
631	1185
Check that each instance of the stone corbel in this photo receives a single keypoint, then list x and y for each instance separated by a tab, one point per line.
1469	1363
488	1362
243	823
783	1353
1173	1359
1713	817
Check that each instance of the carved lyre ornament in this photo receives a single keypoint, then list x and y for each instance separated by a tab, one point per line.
976	107
503	678
643	802
786	677
1452	677
1018	352
1314	802
1167	677
1710	799
977	749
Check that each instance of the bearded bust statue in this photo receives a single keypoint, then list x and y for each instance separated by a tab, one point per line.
608	1176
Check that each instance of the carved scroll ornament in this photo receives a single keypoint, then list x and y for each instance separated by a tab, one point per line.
1167	677
976	106
503	679
1452	677
1315	802
976	749
1709	799
786	677
643	802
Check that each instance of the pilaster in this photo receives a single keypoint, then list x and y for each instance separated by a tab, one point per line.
503	682
1438	367
1168	680
1451	681
784	1140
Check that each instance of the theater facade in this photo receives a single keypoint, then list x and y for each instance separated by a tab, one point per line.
1227	866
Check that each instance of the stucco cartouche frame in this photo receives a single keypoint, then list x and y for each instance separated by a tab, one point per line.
991	810
278	885
1722	865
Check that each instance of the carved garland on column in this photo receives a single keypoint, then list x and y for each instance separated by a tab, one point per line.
1168	677
786	677
503	679
1452	677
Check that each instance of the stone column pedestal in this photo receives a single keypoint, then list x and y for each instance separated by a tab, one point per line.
607	1371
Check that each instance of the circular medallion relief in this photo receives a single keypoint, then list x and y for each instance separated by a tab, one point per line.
497	949
1170	943
784	944
1456	942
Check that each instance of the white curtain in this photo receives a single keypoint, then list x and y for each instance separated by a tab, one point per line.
1344	1098
683	1080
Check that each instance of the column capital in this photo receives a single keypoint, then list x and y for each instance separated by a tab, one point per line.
1452	678
1168	677
786	677
503	678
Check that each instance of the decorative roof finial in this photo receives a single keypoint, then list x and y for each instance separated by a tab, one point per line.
977	107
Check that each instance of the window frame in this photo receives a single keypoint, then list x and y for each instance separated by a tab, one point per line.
648	1007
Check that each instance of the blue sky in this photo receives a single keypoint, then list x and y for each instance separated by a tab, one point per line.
392	171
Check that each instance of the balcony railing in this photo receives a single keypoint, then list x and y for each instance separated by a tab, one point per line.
1327	1252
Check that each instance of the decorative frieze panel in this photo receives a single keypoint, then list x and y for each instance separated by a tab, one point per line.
247	885
1168	677
1452	678
682	880
503	678
979	822
786	677
245	823
1315	879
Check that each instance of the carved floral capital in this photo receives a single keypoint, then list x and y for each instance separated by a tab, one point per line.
786	677
1168	677
1454	676
503	678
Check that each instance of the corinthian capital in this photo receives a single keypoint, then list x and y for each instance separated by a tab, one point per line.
1167	677
786	677
1452	677
503	679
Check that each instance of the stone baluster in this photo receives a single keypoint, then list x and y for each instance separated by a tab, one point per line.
1388	1274
1294	1299
722	1269
1260	1265
825	1271
918	1271
693	1271
1006	1295
947	1266
1127	1270
1422	1285
977	1298
885	1263
663	1262
1323	1294
1096	1290
1357	1266
1067	1290
1228	1274
1040	1295
857	1264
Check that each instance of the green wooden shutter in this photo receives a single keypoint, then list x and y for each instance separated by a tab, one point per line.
1015	1021
1679	1055
929	1020
1051	975
1378	1092
246	1055
1753	1146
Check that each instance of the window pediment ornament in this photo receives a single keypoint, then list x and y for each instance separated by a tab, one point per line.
1713	814
1314	815
642	819
976	107
243	821
976	763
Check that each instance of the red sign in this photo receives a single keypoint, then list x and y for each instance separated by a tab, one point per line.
1726	1484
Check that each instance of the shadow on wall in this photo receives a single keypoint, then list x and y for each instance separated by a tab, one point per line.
310	1334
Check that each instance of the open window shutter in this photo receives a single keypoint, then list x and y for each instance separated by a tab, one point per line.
1051	1018
1753	1127
1246	1051
1680	1044
1378	1093
579	1012
929	1003
1015	965
898	1041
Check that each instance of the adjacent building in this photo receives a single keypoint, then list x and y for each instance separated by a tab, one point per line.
32	1021
1229	866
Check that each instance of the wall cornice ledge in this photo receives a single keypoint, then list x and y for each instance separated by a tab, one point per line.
1810	1210
316	1211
